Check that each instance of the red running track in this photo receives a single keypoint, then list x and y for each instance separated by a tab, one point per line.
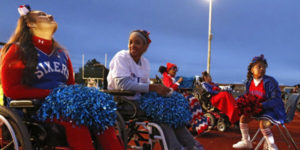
215	140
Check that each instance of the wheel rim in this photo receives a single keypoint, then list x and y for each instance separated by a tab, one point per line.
4	121
221	127
211	119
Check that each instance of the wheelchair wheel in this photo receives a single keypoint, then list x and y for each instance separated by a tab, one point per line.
221	126
121	130
14	134
212	120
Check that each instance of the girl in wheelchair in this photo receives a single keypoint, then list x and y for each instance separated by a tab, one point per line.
198	122
267	93
33	64
129	70
221	99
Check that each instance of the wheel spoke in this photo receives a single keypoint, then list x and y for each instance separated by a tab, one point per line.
7	146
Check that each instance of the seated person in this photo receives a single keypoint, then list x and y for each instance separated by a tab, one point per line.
223	100
267	92
198	121
129	70
169	74
33	64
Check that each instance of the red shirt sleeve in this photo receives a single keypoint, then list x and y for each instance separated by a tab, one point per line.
11	75
168	82
71	79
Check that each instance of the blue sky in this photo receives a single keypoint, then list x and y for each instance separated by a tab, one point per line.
179	31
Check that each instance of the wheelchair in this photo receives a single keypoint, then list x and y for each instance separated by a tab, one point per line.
140	132
216	117
20	130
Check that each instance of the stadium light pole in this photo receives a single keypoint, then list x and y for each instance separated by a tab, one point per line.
209	36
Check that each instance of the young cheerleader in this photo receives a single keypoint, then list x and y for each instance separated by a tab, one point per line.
33	64
266	89
221	98
199	122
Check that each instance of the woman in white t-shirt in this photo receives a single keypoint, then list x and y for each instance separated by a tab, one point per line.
129	70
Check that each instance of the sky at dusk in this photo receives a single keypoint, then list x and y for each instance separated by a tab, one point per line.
241	30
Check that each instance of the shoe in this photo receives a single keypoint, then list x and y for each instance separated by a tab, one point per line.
272	147
243	144
267	147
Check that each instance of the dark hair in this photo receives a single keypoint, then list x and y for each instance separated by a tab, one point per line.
162	69
204	74
28	54
249	74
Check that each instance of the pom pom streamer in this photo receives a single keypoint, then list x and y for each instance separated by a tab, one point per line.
172	110
81	106
249	105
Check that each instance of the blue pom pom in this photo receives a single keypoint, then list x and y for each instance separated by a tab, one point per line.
80	105
172	110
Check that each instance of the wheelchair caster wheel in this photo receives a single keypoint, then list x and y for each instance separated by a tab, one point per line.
212	120
221	126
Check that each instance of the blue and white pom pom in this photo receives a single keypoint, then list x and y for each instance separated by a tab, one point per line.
172	110
81	106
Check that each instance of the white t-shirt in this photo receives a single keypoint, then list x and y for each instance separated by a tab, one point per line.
122	65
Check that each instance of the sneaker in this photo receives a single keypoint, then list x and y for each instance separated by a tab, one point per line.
267	147
243	144
272	147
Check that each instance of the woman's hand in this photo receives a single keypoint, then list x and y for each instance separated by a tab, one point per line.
159	89
180	80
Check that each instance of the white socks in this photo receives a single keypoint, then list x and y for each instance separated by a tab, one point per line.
245	131
268	136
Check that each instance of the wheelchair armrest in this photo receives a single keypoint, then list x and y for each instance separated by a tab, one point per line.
30	103
119	92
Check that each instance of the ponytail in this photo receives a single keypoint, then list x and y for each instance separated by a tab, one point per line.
162	69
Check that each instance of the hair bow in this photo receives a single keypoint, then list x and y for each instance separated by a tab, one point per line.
24	10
